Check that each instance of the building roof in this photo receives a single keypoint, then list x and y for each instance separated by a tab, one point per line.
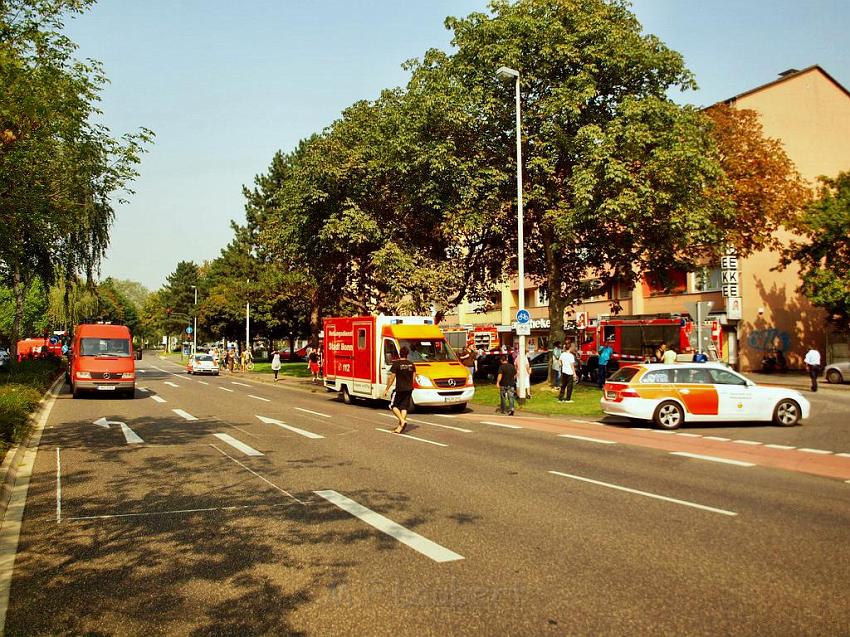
784	77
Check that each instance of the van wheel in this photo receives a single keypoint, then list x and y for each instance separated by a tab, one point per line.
668	416
347	398
787	413
75	392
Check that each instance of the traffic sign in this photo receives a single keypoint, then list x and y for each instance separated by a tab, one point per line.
189	330
523	329
523	317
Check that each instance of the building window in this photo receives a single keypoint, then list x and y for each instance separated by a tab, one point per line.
619	290
670	282
595	291
706	279
542	297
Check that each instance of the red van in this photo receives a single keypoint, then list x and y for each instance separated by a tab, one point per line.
102	360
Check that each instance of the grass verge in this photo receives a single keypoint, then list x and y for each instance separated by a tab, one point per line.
544	400
21	387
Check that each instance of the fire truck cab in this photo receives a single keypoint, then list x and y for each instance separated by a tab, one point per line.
358	352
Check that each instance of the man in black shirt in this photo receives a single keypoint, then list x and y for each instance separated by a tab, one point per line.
401	373
506	381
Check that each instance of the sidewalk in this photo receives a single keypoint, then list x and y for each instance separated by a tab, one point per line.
794	379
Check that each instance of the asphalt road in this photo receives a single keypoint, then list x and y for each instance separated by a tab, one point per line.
211	521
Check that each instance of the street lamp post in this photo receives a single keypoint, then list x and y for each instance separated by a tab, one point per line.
195	326
247	319
506	73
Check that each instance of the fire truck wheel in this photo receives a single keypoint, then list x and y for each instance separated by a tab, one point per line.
347	398
668	415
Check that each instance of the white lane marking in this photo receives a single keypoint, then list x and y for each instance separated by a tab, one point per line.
739	463
843	455
181	376
184	414
144	390
129	435
647	494
784	447
58	487
641	429
433	424
500	424
168	382
141	371
444	416
158	399
160	369
430	442
237	444
259	398
746	442
233	382
315	413
203	382
226	389
822	452
718	438
689	435
415	541
586	439
300	432
662	431
250	470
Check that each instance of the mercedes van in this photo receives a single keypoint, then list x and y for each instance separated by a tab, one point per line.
102	360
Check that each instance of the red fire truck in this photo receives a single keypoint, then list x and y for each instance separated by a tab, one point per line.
484	337
635	338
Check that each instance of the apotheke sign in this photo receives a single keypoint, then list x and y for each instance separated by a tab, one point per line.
535	324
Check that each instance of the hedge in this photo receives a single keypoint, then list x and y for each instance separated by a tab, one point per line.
21	387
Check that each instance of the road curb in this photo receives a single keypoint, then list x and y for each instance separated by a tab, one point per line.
12	460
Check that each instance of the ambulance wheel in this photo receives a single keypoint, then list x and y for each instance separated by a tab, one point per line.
787	413
347	398
668	415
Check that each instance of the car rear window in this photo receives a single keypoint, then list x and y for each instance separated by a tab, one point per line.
658	376
693	376
623	375
205	357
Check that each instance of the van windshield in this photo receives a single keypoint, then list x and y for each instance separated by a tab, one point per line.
428	351
118	347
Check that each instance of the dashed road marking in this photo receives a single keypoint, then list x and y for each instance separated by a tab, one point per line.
144	390
587	439
588	422
641	429
746	442
444	416
430	442
168	382
259	398
158	399
300	432
415	541
687	435
718	438
663	431
783	447
843	455
159	369
500	424
646	493
697	456
184	414
233	382
315	413
226	389
203	382
433	424
822	452
238	444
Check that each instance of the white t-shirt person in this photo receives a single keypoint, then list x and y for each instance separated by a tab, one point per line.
568	363
812	358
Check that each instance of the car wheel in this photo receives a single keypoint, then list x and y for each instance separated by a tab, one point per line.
668	415
834	376
787	413
347	398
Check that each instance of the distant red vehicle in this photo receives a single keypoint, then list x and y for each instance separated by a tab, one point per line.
38	347
300	354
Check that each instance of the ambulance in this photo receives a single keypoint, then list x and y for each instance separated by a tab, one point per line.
359	350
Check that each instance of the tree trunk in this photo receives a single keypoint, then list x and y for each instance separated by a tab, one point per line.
557	303
19	289
315	317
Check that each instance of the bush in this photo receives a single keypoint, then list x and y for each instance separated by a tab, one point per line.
21	387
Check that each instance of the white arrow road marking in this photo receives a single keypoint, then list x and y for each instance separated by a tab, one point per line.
433	424
415	541
300	432
697	456
586	439
500	424
430	442
130	435
102	422
233	382
259	398
158	399
184	414
236	444
645	493
168	382
315	413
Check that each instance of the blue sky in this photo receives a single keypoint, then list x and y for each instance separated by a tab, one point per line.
224	85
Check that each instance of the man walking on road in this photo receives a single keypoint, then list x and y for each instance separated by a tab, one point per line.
812	361
568	374
506	381
401	374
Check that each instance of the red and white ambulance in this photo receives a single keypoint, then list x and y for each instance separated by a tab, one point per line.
359	350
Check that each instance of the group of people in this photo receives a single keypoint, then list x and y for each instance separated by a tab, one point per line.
231	358
314	364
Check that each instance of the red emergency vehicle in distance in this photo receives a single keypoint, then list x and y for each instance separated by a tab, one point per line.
634	339
38	348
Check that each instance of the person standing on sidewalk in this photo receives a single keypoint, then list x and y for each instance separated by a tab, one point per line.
812	362
401	374
568	374
276	364
506	382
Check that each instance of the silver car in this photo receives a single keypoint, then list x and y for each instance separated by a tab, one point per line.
837	373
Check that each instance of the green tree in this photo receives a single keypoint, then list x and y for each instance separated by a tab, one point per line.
824	256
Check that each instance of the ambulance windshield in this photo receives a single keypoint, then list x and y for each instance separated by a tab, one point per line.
428	351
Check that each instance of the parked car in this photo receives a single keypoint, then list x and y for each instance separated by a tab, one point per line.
4	358
670	395
837	373
299	355
488	366
202	364
540	366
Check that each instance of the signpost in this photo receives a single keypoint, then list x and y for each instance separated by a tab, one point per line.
523	323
